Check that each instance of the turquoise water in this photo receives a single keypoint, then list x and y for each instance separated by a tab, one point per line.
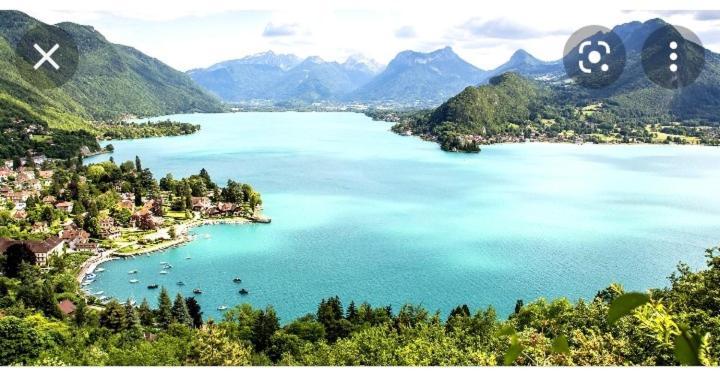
365	214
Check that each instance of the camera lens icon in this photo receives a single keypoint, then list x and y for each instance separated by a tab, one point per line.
594	57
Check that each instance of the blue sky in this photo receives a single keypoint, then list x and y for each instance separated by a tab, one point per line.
189	34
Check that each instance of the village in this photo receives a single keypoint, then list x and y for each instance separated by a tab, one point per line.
129	223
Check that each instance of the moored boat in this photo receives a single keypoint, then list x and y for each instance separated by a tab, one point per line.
237	280
197	291
133	281
180	283
153	286
222	307
243	291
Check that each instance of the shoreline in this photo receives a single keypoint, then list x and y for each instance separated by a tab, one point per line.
557	142
90	265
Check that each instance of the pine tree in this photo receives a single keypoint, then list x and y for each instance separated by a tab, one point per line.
145	314
266	324
180	311
113	317
164	312
138	164
80	313
352	314
132	322
195	312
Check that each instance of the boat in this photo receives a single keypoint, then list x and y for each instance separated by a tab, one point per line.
99	293
237	280
243	291
134	281
188	257
153	286
167	266
90	276
86	283
180	283
222	307
103	298
163	272
132	272
197	291
99	269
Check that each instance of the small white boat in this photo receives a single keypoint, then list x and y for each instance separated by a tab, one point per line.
99	269
163	272
133	281
86	283
99	293
103	298
188	257
132	272
222	307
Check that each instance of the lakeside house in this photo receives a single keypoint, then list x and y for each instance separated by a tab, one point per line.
200	203
43	250
65	206
74	236
39	227
108	230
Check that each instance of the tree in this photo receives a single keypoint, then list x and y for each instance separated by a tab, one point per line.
352	314
145	314
164	313
132	320
19	342
16	255
195	312
180	311
265	326
330	313
138	164
113	317
80	318
212	347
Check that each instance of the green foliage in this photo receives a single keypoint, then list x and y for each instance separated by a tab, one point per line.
625	304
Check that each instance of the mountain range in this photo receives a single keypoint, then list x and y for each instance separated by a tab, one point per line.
411	78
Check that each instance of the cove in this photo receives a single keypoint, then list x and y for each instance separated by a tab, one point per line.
368	215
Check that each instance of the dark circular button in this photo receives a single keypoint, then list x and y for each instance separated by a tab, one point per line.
594	57
46	56
673	57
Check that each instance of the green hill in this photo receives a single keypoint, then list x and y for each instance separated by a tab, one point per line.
112	81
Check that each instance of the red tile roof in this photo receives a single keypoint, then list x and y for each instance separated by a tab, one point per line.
66	306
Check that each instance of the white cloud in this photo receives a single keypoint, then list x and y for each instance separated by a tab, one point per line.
406	31
281	30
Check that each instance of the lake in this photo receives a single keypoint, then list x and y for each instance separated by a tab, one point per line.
368	215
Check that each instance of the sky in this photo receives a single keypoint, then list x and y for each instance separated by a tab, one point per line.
193	34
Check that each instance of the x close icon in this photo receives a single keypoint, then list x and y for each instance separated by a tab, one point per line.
46	57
